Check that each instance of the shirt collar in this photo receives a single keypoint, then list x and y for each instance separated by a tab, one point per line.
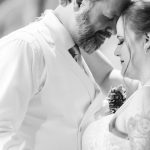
54	25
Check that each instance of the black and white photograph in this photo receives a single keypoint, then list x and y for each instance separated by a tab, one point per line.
74	74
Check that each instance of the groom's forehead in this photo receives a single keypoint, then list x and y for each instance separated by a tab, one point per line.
117	6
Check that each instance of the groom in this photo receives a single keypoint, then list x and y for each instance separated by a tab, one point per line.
47	92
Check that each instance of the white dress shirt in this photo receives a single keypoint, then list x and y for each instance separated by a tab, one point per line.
44	93
22	74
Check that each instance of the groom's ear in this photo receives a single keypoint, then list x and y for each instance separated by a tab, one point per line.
147	42
77	4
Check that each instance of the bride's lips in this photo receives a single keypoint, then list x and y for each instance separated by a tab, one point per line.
122	61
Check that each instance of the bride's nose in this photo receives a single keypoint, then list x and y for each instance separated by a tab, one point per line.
117	51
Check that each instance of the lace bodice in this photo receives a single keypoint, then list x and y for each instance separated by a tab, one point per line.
134	116
98	137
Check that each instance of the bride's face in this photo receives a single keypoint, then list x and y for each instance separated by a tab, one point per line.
130	50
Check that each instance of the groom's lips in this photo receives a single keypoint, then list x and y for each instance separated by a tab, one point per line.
105	34
108	34
101	36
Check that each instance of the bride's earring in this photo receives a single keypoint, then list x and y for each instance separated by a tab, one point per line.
147	43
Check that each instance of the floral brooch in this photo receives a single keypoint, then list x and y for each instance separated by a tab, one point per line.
116	97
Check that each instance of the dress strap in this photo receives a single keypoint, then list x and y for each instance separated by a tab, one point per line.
114	130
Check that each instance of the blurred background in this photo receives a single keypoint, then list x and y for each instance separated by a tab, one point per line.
15	14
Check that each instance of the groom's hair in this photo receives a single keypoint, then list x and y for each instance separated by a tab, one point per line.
66	2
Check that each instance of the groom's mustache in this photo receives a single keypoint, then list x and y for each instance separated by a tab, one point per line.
103	34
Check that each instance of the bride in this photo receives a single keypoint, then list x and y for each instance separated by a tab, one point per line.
129	127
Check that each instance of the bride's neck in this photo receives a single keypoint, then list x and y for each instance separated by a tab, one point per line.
145	81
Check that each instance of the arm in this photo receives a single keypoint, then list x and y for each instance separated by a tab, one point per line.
17	86
114	78
99	65
105	74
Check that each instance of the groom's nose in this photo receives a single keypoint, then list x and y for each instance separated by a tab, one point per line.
113	26
114	31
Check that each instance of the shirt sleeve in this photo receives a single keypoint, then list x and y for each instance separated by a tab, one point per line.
19	79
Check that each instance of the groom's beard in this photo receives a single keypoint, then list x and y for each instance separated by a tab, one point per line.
86	38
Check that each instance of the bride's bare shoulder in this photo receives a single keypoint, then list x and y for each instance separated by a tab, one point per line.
143	95
143	92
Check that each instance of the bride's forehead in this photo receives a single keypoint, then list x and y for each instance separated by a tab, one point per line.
120	27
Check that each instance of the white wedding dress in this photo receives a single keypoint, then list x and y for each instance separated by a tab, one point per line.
134	115
98	137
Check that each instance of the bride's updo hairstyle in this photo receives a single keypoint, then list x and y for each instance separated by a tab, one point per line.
138	16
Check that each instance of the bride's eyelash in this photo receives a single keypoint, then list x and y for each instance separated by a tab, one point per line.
121	42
